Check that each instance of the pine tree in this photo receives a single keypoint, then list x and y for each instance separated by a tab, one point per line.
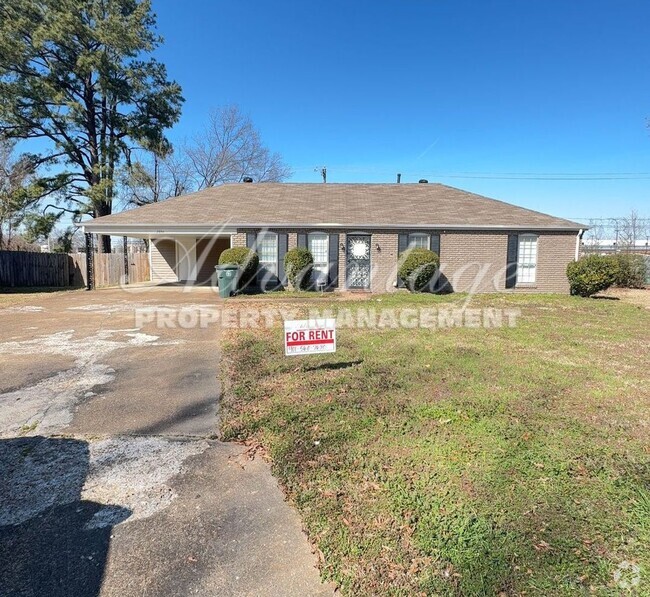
76	73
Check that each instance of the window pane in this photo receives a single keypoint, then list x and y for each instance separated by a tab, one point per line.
267	249
318	245
527	259
418	241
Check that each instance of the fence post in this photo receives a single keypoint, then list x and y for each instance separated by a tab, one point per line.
90	270
126	261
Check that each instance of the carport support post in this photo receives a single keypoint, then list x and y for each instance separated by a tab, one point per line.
126	261
90	256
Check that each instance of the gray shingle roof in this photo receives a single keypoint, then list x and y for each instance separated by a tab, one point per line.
345	205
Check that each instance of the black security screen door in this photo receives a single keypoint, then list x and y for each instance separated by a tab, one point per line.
358	261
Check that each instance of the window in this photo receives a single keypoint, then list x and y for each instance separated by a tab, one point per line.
267	249
318	244
527	259
418	240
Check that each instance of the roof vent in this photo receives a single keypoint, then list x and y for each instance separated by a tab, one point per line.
247	179
423	181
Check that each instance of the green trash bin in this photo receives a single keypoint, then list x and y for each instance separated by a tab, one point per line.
227	279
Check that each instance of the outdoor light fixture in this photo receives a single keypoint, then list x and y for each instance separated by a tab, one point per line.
342	247
378	248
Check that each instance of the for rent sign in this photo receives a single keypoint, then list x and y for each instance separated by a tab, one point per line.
309	336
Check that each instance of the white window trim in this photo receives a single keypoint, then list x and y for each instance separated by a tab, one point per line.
274	264
522	238
419	235
320	269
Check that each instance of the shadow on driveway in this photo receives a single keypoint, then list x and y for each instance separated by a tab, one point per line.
51	541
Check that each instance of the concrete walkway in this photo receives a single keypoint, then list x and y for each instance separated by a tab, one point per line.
113	481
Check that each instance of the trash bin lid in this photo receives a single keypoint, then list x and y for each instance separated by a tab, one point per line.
226	266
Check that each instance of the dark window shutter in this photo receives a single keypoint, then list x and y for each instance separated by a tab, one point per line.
402	245
283	242
302	240
333	274
435	243
251	243
511	265
436	282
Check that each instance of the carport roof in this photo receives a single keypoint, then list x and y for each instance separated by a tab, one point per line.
360	206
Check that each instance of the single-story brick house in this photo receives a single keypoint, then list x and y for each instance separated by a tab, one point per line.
356	232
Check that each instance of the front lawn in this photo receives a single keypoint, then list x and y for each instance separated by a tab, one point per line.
462	461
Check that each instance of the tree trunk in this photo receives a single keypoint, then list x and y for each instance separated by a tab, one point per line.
104	244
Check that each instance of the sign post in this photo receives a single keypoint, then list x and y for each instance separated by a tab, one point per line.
309	336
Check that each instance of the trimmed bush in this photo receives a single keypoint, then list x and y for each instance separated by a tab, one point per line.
631	270
418	268
591	274
246	259
298	265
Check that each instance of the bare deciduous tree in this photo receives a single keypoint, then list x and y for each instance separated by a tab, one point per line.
230	149
631	229
155	176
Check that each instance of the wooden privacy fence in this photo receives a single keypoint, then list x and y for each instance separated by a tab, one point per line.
109	268
23	269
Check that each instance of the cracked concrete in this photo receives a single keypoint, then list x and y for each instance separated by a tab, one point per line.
112	480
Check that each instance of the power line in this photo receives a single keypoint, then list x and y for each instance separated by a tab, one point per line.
546	177
539	176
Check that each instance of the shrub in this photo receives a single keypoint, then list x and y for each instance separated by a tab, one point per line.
418	268
298	267
591	274
246	259
631	270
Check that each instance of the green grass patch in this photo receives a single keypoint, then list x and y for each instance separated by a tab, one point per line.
461	461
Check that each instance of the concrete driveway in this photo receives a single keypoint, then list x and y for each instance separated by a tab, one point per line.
112	479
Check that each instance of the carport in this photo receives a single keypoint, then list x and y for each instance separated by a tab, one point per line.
177	253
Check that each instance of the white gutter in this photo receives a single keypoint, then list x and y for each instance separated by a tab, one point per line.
230	228
578	239
154	230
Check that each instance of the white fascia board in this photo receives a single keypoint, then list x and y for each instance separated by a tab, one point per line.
147	230
442	227
194	229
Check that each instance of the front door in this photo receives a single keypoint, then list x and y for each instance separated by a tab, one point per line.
357	270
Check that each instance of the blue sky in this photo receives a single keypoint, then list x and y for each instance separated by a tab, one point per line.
431	88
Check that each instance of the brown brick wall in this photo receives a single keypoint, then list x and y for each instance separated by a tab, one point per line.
238	240
554	253
477	260
470	260
474	261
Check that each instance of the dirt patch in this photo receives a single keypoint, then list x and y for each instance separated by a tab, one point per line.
634	296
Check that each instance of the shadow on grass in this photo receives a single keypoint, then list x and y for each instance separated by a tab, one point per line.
333	366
